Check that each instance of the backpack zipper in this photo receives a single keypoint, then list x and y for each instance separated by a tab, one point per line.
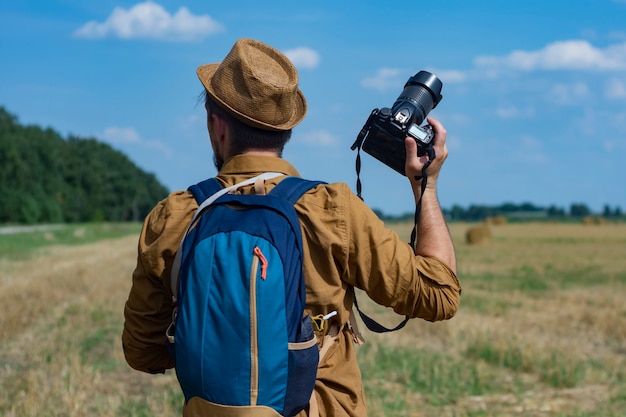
254	345
263	259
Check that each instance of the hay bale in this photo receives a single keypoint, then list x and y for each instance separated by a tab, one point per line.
497	220
594	220
589	220
478	234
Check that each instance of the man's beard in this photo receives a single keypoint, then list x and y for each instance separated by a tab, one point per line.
219	162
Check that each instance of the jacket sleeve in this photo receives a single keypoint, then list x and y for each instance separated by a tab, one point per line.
387	269
148	310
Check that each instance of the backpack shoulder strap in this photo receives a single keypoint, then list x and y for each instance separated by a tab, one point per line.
292	188
205	189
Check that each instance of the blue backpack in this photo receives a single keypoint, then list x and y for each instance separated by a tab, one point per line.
240	339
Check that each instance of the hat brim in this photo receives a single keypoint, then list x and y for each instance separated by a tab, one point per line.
205	74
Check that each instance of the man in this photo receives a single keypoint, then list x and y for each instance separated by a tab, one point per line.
252	102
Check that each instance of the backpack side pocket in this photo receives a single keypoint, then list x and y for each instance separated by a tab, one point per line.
303	360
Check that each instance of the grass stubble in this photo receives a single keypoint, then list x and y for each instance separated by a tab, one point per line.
541	332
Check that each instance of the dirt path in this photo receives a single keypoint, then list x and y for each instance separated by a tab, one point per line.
11	230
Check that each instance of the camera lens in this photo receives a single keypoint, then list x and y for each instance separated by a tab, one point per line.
423	91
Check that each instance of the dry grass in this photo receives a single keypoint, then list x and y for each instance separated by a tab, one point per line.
542	318
541	332
61	354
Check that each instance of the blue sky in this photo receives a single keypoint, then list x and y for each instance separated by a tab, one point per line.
534	92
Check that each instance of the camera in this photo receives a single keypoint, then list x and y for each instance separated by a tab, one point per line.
384	132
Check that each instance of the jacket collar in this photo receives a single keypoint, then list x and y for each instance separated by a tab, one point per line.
250	164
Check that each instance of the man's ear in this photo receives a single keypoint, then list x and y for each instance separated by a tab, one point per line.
218	125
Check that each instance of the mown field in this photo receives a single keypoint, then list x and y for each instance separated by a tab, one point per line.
541	330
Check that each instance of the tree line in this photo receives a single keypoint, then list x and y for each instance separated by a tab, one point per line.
529	211
517	212
45	178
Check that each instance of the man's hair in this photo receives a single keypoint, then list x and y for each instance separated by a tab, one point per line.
246	137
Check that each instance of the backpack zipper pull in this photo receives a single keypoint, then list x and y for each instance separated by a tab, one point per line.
263	259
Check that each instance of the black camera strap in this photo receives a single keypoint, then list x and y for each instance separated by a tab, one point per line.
375	326
358	172
370	323
430	151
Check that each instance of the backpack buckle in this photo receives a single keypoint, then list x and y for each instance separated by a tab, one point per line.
319	321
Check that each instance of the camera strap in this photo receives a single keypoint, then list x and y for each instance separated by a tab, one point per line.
370	323
430	151
375	326
358	173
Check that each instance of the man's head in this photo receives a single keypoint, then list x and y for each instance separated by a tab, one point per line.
242	137
254	90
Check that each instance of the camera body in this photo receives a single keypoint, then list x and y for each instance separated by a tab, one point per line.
384	132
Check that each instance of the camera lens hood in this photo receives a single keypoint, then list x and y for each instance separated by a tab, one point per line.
428	81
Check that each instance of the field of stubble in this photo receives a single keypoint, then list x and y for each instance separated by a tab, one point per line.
541	332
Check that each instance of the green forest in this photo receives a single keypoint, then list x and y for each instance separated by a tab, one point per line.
45	178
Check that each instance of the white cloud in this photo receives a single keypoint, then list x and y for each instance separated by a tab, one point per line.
530	142
566	94
454	143
159	146
192	120
514	112
385	79
531	149
561	55
129	136
318	138
303	57
150	20
617	35
115	134
450	76
393	79
616	89
608	145
507	112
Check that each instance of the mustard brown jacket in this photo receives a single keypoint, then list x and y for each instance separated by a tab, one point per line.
345	246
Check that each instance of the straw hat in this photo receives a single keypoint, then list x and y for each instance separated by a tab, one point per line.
257	84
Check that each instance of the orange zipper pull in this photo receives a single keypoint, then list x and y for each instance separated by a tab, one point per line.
259	254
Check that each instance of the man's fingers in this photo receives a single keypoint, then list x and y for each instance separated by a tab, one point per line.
440	131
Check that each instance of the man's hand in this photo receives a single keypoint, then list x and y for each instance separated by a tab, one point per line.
414	163
433	237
